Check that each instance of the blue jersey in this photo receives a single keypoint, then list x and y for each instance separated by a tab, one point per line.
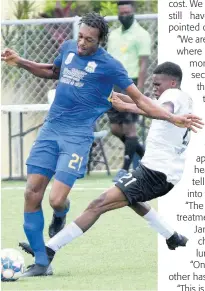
84	87
82	95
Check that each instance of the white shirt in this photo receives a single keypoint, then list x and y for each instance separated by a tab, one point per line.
166	143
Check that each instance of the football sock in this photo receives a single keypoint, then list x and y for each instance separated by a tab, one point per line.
135	161
65	236
63	212
158	224
33	228
130	148
139	149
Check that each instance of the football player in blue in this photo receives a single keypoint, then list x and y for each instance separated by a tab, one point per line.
86	74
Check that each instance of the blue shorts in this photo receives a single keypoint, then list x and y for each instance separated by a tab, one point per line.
65	158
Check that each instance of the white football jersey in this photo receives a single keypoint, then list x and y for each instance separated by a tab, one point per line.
166	143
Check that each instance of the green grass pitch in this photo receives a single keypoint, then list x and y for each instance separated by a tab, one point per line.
118	253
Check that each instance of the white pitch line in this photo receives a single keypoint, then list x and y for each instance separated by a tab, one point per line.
49	187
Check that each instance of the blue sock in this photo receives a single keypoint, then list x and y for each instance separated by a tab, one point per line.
64	212
135	161
33	228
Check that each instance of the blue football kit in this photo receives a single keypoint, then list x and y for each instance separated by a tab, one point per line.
83	94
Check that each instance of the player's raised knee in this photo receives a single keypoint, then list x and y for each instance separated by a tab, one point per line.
57	202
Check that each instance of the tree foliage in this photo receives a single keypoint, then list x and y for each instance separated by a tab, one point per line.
24	9
71	8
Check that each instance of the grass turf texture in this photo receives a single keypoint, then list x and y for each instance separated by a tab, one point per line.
118	253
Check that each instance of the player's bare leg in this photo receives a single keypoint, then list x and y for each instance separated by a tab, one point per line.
60	204
111	199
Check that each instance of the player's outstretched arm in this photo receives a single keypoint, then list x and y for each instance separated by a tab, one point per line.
123	97
148	106
123	103
47	71
153	110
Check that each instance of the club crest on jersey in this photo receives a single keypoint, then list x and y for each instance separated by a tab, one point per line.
69	58
91	66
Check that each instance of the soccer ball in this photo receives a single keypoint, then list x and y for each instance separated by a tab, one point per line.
12	265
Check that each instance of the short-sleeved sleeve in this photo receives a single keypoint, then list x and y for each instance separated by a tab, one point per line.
58	60
144	48
173	96
119	75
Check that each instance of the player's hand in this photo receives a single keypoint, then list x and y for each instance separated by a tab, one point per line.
188	121
10	57
117	103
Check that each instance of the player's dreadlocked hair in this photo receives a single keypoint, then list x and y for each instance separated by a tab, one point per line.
170	69
97	21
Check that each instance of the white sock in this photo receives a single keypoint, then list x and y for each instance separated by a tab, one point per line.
158	224
65	236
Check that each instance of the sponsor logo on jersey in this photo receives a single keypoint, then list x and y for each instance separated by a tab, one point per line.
73	77
91	66
69	58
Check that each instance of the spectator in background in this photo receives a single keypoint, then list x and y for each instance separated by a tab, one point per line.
131	45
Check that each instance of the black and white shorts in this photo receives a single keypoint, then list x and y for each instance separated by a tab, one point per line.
143	185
